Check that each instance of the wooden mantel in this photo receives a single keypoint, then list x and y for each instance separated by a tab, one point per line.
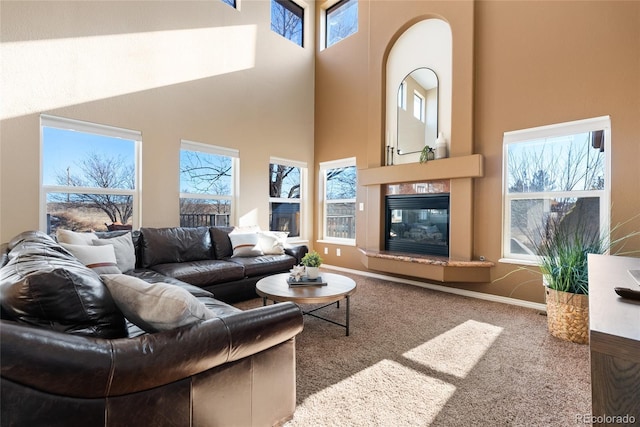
450	168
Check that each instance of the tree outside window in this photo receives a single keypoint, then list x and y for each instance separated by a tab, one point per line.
555	180
287	20
341	21
285	183
206	184
88	176
339	214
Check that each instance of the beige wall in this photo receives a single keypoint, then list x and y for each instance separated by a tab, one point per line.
534	63
193	70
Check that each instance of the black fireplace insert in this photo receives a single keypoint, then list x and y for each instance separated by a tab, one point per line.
417	224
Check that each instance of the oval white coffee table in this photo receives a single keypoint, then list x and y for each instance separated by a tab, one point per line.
338	287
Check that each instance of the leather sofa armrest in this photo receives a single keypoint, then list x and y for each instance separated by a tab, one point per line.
255	330
297	252
78	366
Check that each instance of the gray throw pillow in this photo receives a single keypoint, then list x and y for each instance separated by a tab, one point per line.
157	306
123	247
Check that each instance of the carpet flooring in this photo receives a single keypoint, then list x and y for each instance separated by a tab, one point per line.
418	357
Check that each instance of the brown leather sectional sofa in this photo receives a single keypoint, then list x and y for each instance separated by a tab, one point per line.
203	257
70	357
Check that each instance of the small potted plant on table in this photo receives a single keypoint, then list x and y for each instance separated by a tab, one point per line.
312	261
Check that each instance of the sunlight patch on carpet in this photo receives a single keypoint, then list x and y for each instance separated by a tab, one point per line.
458	350
386	393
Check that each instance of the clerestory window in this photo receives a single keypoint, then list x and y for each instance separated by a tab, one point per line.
341	21
287	19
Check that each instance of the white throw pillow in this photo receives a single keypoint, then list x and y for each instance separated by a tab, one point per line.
245	244
271	243
123	247
155	307
101	259
75	238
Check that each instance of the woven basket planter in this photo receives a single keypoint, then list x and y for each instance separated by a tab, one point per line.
568	316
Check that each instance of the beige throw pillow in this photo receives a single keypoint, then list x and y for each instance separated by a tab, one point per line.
155	307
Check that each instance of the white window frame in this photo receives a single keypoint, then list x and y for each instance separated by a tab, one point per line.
98	129
235	168
421	106
322	179
549	131
302	201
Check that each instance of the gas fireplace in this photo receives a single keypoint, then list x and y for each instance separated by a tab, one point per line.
417	223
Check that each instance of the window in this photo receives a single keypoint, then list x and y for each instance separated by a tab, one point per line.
207	183
341	21
402	95
287	20
286	190
231	3
339	179
553	175
90	176
418	106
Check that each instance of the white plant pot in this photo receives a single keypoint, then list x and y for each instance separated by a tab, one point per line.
312	272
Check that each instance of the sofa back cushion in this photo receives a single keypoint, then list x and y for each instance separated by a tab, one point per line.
221	243
175	244
43	285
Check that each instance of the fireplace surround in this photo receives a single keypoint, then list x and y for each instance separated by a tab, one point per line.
458	171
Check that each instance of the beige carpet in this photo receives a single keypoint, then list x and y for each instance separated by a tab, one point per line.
417	357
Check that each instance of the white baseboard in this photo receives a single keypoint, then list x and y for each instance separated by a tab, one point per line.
457	291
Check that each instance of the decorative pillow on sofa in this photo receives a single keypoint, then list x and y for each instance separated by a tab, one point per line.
75	238
273	242
101	259
245	244
156	306
123	248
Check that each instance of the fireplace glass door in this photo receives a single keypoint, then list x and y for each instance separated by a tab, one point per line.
418	224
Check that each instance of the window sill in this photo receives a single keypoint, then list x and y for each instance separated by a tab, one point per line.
518	262
338	242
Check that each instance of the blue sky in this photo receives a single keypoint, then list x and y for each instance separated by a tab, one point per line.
65	148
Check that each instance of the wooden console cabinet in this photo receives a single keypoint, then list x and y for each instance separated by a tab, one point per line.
614	342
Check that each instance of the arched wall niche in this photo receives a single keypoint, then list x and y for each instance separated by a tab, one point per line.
424	44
